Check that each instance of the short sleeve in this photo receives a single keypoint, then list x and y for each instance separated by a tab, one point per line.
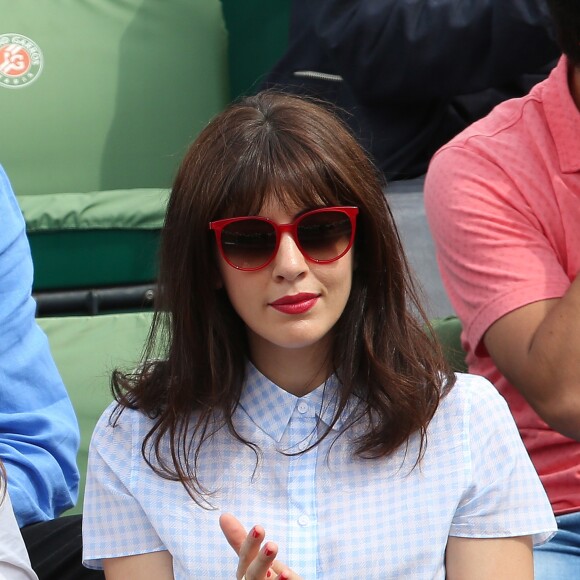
505	497
114	523
490	237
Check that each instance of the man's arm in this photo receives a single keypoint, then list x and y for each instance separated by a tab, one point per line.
39	433
404	49
537	348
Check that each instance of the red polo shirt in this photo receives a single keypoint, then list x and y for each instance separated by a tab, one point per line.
503	203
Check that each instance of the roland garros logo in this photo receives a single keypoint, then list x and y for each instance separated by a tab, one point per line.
21	61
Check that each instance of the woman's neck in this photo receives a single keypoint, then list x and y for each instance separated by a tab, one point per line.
297	371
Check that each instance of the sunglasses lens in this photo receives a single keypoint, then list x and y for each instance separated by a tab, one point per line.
324	236
248	243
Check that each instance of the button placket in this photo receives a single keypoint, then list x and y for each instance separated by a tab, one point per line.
303	541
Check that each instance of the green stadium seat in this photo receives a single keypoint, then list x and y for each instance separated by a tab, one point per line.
113	94
448	331
86	349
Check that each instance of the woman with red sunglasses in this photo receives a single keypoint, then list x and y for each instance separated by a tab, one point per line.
290	402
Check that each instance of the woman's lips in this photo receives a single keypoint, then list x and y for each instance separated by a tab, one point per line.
296	304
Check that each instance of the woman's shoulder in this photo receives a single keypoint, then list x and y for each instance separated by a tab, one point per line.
475	420
473	390
120	422
474	402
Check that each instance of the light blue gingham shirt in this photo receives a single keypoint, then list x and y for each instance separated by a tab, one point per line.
332	515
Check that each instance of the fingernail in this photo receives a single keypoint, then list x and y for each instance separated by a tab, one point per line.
255	533
268	574
267	551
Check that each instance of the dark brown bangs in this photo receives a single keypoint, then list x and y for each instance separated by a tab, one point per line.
282	162
291	178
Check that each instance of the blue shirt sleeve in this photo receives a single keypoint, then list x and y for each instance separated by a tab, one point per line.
39	433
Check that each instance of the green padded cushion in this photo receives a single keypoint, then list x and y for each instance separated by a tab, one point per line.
86	349
448	331
125	87
258	36
103	238
125	209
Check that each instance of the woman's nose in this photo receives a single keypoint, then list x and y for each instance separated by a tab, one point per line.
289	262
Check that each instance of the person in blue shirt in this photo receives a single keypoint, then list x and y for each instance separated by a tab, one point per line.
39	433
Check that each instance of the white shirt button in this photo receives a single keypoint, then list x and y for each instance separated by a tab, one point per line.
302	407
303	520
302	445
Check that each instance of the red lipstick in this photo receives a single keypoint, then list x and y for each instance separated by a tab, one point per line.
296	304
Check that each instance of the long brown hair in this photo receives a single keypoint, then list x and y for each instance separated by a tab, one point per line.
284	146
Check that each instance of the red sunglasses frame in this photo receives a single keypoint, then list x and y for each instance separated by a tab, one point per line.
292	228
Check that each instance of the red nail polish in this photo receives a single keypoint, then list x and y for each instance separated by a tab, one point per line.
268	574
267	551
255	533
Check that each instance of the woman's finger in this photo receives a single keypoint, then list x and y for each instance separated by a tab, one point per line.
283	572
250	550
233	530
246	545
260	567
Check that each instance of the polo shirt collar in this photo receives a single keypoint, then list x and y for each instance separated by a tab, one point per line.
271	407
563	117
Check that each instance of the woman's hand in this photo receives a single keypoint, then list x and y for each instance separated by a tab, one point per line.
256	561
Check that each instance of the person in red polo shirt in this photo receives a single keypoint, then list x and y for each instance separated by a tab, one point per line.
503	203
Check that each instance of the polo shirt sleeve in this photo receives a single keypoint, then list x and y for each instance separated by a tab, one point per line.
504	496
39	434
114	523
491	248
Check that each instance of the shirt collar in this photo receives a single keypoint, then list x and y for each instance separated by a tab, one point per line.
271	407
563	117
